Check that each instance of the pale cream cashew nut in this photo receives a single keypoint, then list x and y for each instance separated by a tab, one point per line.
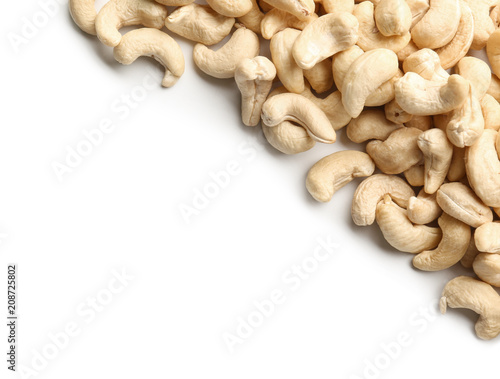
370	124
277	20
470	255
331	6
231	8
288	137
320	77
393	17
487	268
477	72
253	19
487	238
483	23
491	112
423	209
299	8
396	114
493	50
415	175
457	165
427	64
84	14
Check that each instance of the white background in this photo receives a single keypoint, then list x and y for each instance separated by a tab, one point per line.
119	210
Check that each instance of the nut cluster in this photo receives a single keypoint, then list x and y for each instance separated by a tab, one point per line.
395	73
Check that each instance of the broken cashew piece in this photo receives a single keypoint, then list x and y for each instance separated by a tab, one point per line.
480	297
372	190
155	44
487	268
333	172
84	13
222	63
299	8
231	8
423	209
487	238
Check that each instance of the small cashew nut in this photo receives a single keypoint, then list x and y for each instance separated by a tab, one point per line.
371	124
289	138
480	297
422	97
365	75
397	153
277	20
119	13
401	233
155	44
199	23
325	37
231	8
84	13
451	249
254	78
424	208
460	202
301	9
296	108
487	238
482	164
222	63
333	172
493	50
487	268
372	190
393	17
483	24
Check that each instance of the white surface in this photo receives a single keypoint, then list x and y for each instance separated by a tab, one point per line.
120	209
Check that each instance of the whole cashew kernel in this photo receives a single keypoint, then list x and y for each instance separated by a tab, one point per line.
277	20
487	238
253	19
299	8
418	10
477	72
394	113
493	50
372	190
483	24
427	64
84	13
331	6
491	112
494	89
289	138
393	17
231	8
470	255
457	166
320	77
487	268
156	44
415	175
424	208
333	172
289	73
370	124
420	122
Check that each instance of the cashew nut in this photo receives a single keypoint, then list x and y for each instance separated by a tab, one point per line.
460	202
277	20
253	19
299	8
457	166
338	5
289	138
493	50
491	112
372	190
483	24
415	175
175	3
333	172
401	233
155	44
451	249
332	107
231	8
423	209
119	13
83	13
471	254
393	17
426	63
407	51
325	37
480	297
487	238
394	113
371	124
418	10
420	122
199	23
289	73
494	89
487	268
254	78
477	72
320	77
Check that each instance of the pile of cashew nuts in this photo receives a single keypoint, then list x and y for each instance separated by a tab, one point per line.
398	75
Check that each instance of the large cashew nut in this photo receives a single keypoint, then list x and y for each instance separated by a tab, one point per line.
83	13
393	17
231	8
289	73
487	238
155	44
331	6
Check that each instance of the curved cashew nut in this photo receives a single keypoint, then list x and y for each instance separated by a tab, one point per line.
331	6
397	153
119	13
400	232
254	78
83	13
385	93
253	18
458	47
320	77
325	37
288	137
439	25
371	124
477	72
470	255
231	8
199	23
466	292
222	63
407	51
296	108
370	37
415	175
372	190
483	23
460	202
457	166
420	122
422	97
491	112
487	268
277	20
301	9
483	168
365	75
155	44
427	64
423	209
451	249
418	10
494	89
289	73
487	238
396	114
333	172
393	17
438	153
493	50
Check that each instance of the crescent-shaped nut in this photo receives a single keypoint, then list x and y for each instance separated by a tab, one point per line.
457	166
365	75
199	23
289	73
371	124
401	233
253	18
458	47
393	17
491	112
222	63
331	6
460	202
487	268
438	152
325	37
289	138
301	9
277	20
487	238
451	249
493	50
231	8
397	153
438	26
477	72
418	10
480	297
84	13
422	97
483	168
333	172
396	114
296	108
341	63
370	37
415	175
420	122
372	190
320	77
483	23
427	64
470	255
254	78
423	209
155	44
119	13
